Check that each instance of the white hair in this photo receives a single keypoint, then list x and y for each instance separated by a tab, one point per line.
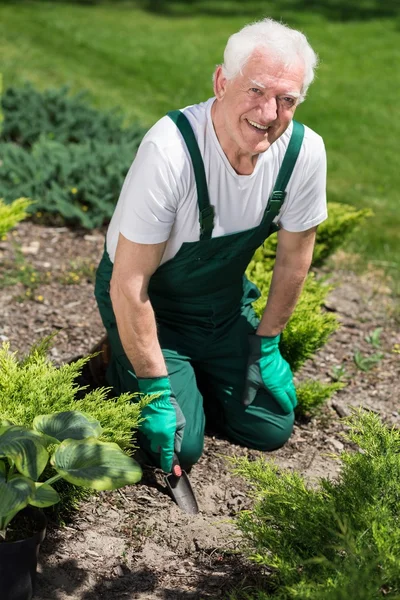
286	44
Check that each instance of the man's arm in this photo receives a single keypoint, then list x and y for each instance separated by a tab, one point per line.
293	260
134	264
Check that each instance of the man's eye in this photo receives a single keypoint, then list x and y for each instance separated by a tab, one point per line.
288	101
255	90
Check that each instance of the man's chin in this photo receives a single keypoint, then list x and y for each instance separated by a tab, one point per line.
260	147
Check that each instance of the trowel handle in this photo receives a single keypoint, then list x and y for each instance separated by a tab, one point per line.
176	467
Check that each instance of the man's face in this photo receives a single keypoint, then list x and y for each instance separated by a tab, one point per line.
257	106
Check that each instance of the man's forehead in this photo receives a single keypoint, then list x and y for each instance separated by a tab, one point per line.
266	70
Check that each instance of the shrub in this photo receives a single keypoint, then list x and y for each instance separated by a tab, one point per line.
33	385
342	220
80	182
68	157
340	539
56	115
311	395
331	234
11	214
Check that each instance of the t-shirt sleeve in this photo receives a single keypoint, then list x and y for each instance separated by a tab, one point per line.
149	197
305	205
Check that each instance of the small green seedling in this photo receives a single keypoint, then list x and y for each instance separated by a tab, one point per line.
338	372
373	338
366	363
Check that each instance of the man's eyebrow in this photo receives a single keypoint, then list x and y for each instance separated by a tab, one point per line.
254	82
262	86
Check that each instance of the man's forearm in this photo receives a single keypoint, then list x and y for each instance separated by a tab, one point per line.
287	283
138	333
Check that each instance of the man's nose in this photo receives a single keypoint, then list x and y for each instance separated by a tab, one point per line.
270	109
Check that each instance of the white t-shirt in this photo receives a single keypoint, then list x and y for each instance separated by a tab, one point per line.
158	201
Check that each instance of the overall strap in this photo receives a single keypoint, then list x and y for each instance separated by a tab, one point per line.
206	210
278	195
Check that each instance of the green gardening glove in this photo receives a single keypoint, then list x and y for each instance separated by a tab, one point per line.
163	422
268	370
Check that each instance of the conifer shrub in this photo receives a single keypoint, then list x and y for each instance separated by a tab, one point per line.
11	214
55	114
312	395
339	539
78	182
70	158
33	385
342	221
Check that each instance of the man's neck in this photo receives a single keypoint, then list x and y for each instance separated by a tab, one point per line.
243	163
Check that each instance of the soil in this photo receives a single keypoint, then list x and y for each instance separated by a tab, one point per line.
135	543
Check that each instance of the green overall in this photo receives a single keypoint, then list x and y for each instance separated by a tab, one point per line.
202	303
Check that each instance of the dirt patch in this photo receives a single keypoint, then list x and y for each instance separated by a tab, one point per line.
135	543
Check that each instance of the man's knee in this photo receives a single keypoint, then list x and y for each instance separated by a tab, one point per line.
266	434
273	435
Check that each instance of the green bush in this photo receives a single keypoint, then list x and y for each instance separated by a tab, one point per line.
338	540
311	395
331	234
342	220
33	385
80	182
30	114
11	214
68	157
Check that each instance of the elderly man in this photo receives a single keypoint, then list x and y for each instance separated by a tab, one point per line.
209	184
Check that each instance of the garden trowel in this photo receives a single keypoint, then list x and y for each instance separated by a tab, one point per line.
181	491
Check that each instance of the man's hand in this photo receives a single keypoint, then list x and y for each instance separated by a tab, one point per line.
163	422
268	370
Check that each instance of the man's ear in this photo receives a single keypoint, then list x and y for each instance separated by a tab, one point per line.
220	82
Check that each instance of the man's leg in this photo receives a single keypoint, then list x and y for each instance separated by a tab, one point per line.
184	386
262	425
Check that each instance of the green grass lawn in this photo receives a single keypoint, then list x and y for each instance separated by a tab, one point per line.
148	63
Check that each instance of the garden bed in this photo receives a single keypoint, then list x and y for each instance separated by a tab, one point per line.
135	543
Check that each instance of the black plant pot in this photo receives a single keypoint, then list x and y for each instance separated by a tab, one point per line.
18	561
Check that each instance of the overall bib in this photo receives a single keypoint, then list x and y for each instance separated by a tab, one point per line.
202	303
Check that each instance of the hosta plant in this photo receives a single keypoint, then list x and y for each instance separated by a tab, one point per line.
68	442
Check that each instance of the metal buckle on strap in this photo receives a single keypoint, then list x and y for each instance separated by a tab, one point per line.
207	219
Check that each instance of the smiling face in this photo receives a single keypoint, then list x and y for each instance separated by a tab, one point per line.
256	107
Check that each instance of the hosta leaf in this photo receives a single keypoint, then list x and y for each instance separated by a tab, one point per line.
25	448
15	495
70	424
45	496
94	464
